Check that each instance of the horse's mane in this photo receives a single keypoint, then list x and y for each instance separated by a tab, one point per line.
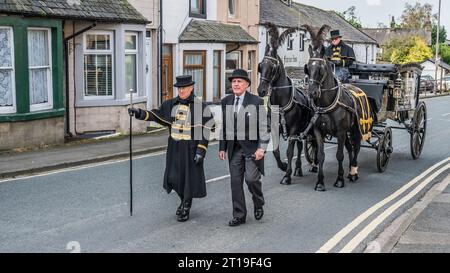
277	39
317	37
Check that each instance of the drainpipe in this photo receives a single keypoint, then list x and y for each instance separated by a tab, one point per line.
238	45
159	53
66	64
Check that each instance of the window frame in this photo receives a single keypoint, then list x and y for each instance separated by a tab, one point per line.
100	52
290	42
302	42
219	67
251	54
10	109
136	53
203	66
48	105
193	14
235	14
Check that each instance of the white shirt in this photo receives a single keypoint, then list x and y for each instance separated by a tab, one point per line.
241	99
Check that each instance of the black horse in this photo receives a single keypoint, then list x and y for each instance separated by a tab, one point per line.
290	104
336	112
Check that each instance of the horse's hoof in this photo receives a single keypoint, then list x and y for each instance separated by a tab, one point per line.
314	169
286	181
353	178
320	187
283	167
298	172
339	183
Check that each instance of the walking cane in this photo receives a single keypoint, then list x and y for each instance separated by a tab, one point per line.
131	153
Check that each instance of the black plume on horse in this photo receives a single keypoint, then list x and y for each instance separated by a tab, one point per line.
336	112
289	103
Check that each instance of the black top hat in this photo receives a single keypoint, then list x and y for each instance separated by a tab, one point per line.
184	80
240	74
335	34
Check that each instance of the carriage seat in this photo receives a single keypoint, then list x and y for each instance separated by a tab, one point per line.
373	68
374	90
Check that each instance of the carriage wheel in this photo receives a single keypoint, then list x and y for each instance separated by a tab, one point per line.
384	150
419	130
310	151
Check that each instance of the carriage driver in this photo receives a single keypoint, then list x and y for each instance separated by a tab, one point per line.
341	55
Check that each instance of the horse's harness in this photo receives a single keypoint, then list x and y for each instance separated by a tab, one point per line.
292	102
318	111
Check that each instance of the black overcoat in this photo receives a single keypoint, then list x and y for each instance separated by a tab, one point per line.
188	121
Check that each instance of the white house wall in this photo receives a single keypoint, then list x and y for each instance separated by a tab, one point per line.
176	17
365	53
430	70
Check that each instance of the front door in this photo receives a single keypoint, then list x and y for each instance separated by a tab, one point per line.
167	73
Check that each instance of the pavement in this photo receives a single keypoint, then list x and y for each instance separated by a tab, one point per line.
14	164
425	227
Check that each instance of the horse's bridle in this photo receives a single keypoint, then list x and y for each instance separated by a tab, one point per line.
321	82
275	72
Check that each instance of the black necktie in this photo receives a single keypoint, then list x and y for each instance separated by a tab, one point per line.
236	105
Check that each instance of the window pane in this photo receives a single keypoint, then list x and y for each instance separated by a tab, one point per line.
250	60
130	73
233	60
98	75
195	6
38	54
231	7
5	48
130	41
197	76
216	75
90	41
6	88
38	85
228	83
102	42
191	59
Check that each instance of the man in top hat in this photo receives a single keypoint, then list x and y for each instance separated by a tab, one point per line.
244	138
188	119
341	55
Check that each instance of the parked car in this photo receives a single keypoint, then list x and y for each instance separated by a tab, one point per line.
427	84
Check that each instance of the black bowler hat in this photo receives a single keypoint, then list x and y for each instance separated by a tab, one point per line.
240	74
184	80
335	34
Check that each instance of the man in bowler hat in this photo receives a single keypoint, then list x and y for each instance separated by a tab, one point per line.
187	118
244	138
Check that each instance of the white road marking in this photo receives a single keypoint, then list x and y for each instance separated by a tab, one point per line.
444	115
336	239
217	178
389	211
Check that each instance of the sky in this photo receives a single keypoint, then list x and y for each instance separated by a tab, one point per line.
371	12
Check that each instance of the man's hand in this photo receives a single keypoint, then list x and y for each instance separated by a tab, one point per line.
222	155
198	159
259	154
134	112
338	62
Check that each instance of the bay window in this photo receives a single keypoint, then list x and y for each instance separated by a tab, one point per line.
194	65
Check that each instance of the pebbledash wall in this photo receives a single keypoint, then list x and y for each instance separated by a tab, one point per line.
25	125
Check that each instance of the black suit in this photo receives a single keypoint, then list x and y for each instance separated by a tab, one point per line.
241	140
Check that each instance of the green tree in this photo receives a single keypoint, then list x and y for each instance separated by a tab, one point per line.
442	34
417	16
402	51
444	52
350	16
